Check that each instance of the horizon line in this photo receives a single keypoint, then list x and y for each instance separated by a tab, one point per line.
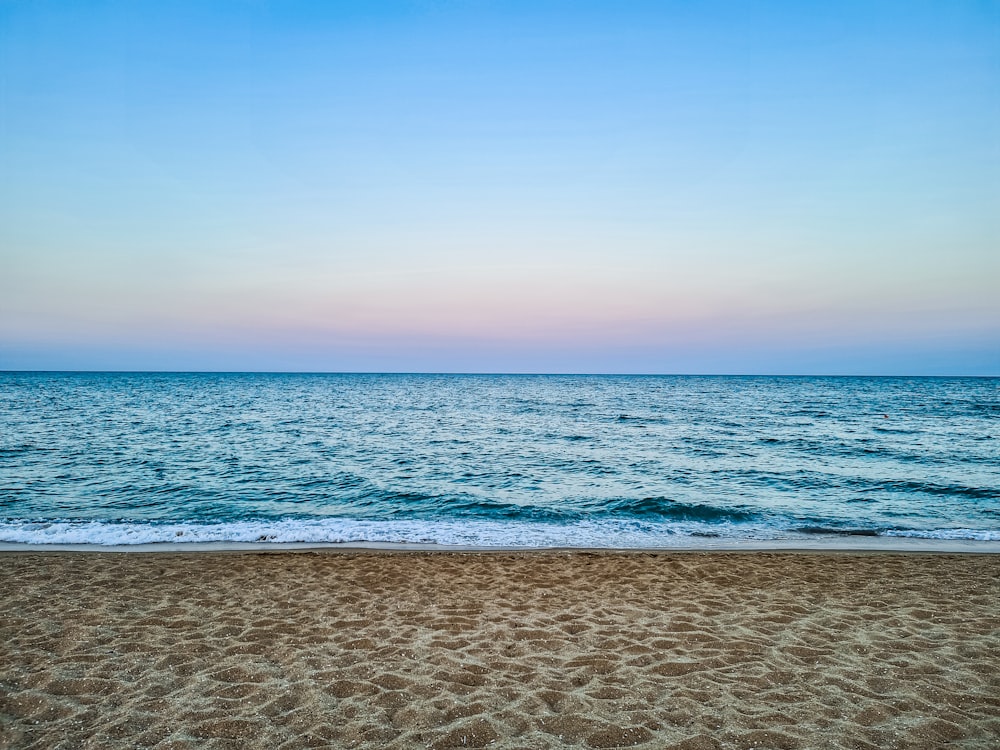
490	373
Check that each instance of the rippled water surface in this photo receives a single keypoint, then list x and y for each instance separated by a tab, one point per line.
511	460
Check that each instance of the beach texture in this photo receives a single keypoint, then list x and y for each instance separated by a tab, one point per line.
534	650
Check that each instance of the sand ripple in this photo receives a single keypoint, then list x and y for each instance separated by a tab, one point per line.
587	650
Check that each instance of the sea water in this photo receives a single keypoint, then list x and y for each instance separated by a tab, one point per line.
494	460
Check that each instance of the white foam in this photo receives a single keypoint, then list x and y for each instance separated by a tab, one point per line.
478	533
605	533
979	535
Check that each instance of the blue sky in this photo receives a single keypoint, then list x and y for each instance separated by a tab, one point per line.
490	186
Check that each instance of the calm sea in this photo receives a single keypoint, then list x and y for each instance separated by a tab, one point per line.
590	461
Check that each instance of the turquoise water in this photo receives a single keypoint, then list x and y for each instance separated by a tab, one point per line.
629	461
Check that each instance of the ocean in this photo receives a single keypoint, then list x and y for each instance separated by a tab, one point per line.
495	460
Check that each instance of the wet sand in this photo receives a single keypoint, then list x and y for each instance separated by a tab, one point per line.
529	650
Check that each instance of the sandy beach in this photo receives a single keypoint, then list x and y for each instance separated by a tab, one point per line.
529	650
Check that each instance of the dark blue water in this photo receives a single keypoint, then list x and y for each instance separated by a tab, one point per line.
494	460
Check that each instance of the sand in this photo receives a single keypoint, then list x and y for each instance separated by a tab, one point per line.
533	650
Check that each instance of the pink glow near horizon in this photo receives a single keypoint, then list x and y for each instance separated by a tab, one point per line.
335	185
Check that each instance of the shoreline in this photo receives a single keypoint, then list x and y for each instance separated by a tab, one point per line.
839	543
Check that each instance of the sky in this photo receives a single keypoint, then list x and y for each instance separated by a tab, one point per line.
476	186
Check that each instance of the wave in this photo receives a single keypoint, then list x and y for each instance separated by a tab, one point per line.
665	508
480	533
626	508
835	531
592	533
934	488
